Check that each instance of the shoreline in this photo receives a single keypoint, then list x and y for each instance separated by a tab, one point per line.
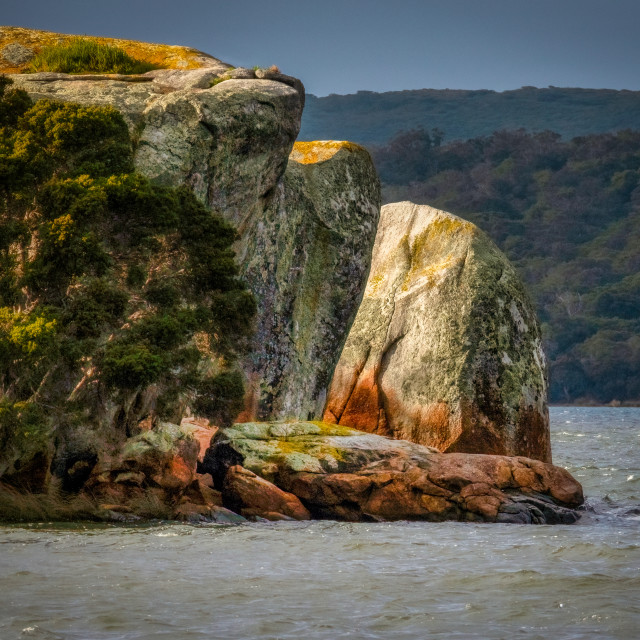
618	405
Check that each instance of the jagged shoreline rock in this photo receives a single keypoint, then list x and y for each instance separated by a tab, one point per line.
446	348
340	473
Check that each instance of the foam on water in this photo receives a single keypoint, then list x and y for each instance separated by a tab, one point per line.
326	579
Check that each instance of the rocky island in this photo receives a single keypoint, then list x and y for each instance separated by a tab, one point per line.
352	363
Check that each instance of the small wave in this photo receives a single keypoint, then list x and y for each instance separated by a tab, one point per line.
38	632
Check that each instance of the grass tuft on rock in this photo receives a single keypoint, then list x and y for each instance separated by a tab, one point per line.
82	55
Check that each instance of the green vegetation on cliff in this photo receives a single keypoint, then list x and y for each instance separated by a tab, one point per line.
83	55
568	215
119	299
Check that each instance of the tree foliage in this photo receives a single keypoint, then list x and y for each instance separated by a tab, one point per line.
371	118
110	287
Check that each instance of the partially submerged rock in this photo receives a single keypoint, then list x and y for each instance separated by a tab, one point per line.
338	472
445	349
251	495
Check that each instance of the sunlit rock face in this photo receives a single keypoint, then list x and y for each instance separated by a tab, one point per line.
18	46
445	349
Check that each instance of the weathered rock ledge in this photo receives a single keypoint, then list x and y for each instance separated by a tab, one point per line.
297	471
321	470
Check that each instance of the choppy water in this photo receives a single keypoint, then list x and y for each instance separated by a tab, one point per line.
331	580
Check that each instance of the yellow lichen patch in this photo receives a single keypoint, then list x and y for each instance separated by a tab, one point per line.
428	257
373	284
320	150
450	224
330	429
427	272
163	56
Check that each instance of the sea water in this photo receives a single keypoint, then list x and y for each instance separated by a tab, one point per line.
339	580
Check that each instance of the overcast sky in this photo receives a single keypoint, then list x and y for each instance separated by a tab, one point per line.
342	46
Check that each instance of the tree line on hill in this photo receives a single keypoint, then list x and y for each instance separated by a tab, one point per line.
371	118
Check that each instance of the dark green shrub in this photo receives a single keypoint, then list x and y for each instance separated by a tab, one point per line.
221	398
127	284
162	293
130	366
83	55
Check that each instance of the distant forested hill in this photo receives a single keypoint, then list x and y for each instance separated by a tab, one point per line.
374	118
567	213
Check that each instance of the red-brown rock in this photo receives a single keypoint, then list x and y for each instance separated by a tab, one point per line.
350	475
247	493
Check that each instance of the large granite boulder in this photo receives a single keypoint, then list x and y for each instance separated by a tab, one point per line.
229	143
338	472
445	349
306	257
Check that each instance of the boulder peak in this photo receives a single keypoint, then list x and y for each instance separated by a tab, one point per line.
321	150
445	349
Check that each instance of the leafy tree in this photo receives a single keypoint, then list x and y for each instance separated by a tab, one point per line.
119	300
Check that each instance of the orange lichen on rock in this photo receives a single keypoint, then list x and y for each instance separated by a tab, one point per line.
18	45
320	150
363	409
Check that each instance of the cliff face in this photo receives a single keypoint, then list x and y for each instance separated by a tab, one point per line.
306	224
446	349
306	257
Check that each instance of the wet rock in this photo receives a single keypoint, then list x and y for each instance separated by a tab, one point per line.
445	349
341	473
221	515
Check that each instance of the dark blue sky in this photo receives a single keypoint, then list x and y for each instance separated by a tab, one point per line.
342	46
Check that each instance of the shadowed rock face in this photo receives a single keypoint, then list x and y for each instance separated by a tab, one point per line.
445	349
342	473
306	257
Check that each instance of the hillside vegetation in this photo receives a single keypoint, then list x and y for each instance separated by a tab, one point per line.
374	118
567	213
